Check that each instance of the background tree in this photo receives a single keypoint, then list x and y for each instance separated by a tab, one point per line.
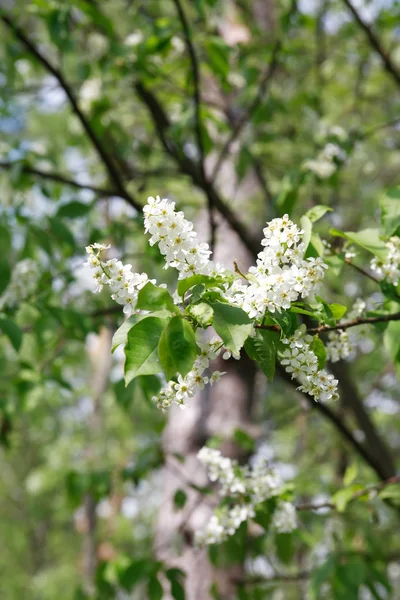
240	111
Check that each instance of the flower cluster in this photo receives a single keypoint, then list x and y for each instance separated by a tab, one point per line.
342	343
389	268
327	161
284	520
248	488
176	240
301	362
186	387
281	275
124	284
24	280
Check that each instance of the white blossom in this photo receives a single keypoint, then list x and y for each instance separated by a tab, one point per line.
281	275
176	239
246	487
343	343
389	268
284	519
302	364
186	387
23	283
327	161
123	283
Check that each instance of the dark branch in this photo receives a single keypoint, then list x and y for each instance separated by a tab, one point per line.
375	43
262	89
341	427
104	156
197	112
355	322
161	123
58	178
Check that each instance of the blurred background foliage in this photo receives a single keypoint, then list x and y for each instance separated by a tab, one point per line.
98	109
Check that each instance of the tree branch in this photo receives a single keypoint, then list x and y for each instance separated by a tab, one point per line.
161	123
262	88
355	322
374	41
59	178
104	156
341	427
197	112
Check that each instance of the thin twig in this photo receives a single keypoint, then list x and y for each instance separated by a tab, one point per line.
361	270
59	178
104	156
376	44
197	112
262	89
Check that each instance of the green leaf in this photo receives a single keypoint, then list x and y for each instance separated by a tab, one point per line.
177	348
141	348
129	576
154	588
390	211
284	547
73	210
391	491
180	498
306	225
391	340
185	284
232	324
244	440
121	335
317	346
350	474
368	239
344	496
175	577
12	331
338	310
262	348
287	321
218	56
202	313
152	297
317	212
61	232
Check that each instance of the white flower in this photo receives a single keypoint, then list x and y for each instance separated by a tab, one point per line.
301	362
389	268
123	283
195	380
23	283
281	275
343	343
248	487
176	239
284	519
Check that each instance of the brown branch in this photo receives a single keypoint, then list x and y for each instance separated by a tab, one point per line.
376	44
104	156
58	178
161	123
341	427
355	322
361	270
262	89
341	326
197	112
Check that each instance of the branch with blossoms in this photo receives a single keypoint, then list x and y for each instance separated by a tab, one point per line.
171	340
